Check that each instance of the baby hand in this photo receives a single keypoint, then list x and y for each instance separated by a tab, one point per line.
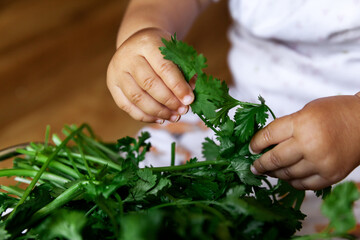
315	147
144	84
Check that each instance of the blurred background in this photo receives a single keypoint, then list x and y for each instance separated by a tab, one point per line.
53	62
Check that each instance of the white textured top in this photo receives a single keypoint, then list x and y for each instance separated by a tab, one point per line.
292	52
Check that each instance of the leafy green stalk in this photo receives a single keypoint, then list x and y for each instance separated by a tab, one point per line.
68	195
173	149
189	166
45	165
32	173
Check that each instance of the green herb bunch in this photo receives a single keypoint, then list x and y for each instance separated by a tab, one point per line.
82	188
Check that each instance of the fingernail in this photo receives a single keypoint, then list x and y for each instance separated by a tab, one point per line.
251	151
174	118
160	121
187	100
253	170
183	109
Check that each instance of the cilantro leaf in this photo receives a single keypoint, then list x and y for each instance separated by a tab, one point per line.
248	119
289	196
184	56
134	150
323	192
210	149
3	232
146	181
162	184
62	224
242	169
338	207
6	202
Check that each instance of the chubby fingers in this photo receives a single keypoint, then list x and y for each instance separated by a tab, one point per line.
279	132
171	76
151	83
313	182
136	113
283	155
145	102
299	170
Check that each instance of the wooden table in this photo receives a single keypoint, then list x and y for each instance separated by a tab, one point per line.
53	62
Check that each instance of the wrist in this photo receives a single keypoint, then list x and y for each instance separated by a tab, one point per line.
147	32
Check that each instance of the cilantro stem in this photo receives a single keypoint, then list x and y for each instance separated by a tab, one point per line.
208	124
65	197
80	147
55	165
13	190
95	160
180	203
32	173
271	112
202	204
73	164
44	167
110	212
271	188
75	155
173	149
121	204
189	166
95	143
212	210
47	134
91	210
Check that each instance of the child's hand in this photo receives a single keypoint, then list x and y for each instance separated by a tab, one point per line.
144	84
315	147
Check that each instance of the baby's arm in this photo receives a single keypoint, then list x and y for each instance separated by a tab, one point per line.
315	147
142	83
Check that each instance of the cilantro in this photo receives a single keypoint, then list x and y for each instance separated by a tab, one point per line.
92	190
62	224
249	119
338	207
146	181
3	233
184	56
242	169
210	149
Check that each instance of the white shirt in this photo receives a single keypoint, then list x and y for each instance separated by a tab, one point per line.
292	52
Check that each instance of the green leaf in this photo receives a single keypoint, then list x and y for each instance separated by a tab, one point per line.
63	223
323	192
248	119
38	198
134	150
146	181
141	226
162	185
242	169
338	207
203	189
210	149
212	99
4	235
289	196
6	202
227	147
236	192
184	56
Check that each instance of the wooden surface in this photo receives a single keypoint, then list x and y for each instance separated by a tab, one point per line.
53	61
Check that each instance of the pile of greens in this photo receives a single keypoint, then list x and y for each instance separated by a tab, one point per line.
82	188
